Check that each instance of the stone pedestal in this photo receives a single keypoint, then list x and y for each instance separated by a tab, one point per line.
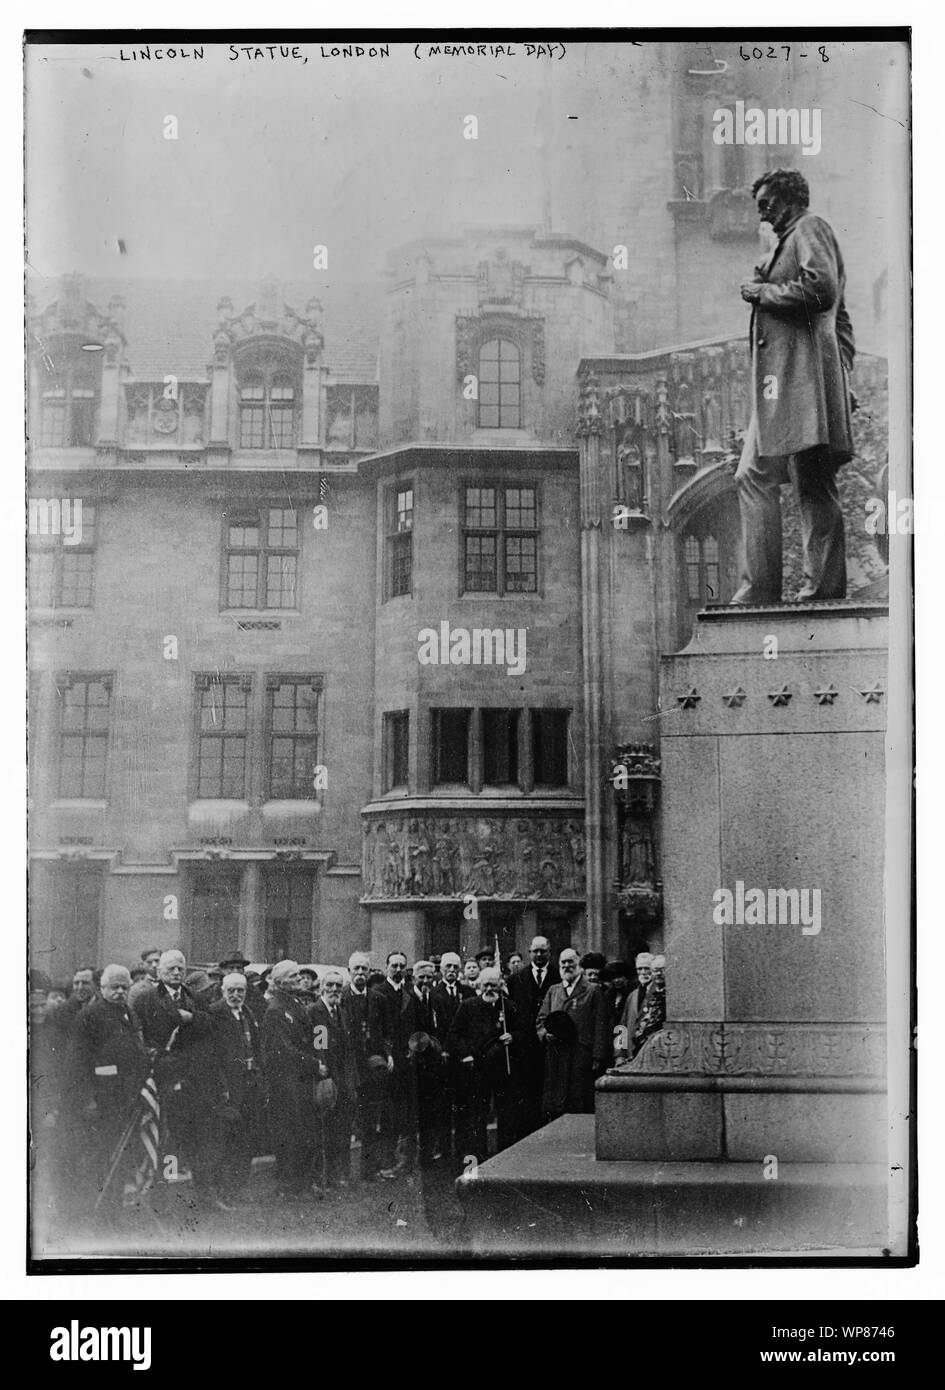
756	1119
773	830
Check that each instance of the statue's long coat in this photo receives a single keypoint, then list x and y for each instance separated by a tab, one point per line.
802	345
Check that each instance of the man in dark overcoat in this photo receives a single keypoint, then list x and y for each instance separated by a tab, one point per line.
528	988
396	1023
111	1065
336	1050
448	994
238	1055
178	1033
575	1053
292	1067
802	353
359	1009
487	1038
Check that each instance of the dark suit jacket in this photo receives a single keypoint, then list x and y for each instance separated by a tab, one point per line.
359	1011
396	1019
334	1046
446	1006
107	1038
290	1062
475	1033
524	992
230	1049
190	1059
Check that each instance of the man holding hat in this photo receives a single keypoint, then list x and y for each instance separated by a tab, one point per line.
653	1009
527	990
292	1068
572	1026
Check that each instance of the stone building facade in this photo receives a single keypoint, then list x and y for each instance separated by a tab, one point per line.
357	640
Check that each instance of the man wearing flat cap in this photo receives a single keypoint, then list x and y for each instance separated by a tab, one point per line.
571	1066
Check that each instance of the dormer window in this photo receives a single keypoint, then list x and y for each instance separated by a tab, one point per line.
70	395
267	408
500	385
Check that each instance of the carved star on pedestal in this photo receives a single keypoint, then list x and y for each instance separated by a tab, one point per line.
827	695
780	697
690	699
735	698
874	694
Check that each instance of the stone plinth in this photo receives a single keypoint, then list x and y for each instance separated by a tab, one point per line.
773	731
550	1195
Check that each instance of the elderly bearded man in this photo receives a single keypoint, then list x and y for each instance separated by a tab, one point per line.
239	1115
178	1033
292	1068
112	1063
336	1049
572	1027
486	1037
802	355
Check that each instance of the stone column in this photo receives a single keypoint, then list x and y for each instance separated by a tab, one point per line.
589	432
252	923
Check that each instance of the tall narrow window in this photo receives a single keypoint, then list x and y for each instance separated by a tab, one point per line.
400	540
396	749
292	722
451	746
550	747
83	734
222	713
214	909
262	556
500	747
500	540
267	408
70	395
61	566
500	385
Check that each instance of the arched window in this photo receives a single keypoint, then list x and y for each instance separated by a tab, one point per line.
500	385
267	409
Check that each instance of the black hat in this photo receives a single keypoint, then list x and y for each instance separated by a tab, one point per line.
614	969
593	960
560	1026
486	954
236	959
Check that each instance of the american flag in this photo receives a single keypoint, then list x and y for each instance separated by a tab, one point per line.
140	1141
324	490
149	1135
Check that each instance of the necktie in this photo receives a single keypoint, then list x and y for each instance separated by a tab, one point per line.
539	976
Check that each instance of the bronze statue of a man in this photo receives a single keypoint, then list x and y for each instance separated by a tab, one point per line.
802	353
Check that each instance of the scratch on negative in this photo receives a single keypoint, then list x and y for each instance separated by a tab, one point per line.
878	112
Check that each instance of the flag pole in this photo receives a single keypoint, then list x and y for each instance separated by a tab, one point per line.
498	966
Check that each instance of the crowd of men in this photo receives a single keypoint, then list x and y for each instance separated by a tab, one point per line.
411	1065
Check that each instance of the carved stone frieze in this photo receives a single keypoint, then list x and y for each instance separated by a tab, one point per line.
504	856
758	1049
